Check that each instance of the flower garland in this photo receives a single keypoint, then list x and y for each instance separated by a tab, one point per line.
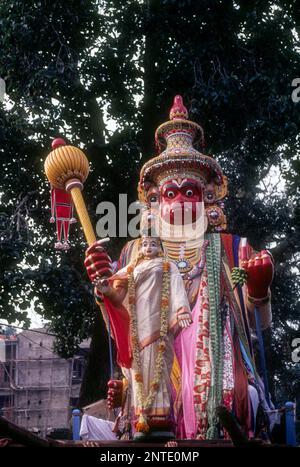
145	401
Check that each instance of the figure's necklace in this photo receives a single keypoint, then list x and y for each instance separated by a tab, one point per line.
185	256
189	260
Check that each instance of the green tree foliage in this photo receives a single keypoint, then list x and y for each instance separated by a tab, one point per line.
71	68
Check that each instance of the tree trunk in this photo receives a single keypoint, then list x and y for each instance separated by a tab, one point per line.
97	371
149	109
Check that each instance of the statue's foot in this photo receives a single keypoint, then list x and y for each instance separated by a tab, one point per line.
139	436
163	435
171	444
90	444
161	429
154	435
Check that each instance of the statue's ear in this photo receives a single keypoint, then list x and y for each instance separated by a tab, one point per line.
222	189
141	194
151	192
143	190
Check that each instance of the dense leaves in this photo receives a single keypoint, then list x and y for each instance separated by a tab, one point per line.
103	75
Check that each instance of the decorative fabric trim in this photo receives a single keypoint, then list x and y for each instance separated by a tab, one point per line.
259	301
202	376
237	314
213	261
155	411
156	335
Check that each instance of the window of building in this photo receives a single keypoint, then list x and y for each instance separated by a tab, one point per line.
10	350
78	369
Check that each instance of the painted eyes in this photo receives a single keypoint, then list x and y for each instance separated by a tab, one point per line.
153	199
189	193
152	244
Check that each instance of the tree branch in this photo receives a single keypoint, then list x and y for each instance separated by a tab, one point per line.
286	248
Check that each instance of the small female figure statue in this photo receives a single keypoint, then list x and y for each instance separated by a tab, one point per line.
152	290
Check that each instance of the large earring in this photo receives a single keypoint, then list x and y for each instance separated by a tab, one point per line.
216	218
214	206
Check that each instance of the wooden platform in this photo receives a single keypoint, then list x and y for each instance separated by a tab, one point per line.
182	443
20	437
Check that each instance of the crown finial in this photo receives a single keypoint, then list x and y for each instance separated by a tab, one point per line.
57	142
178	110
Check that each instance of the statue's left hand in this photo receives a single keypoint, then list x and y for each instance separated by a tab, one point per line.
102	285
184	318
260	271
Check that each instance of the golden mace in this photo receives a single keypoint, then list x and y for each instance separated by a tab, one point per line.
67	168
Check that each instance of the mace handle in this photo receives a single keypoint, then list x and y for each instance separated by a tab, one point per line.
74	187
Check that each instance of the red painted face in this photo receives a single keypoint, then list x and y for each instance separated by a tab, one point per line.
178	200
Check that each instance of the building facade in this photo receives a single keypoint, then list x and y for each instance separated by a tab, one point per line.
39	389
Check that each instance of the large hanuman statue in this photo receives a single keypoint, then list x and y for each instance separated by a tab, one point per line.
213	362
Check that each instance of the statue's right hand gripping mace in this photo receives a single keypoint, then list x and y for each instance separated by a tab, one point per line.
67	169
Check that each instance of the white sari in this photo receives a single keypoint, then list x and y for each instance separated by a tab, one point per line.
148	277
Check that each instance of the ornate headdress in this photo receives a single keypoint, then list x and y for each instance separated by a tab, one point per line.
177	141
